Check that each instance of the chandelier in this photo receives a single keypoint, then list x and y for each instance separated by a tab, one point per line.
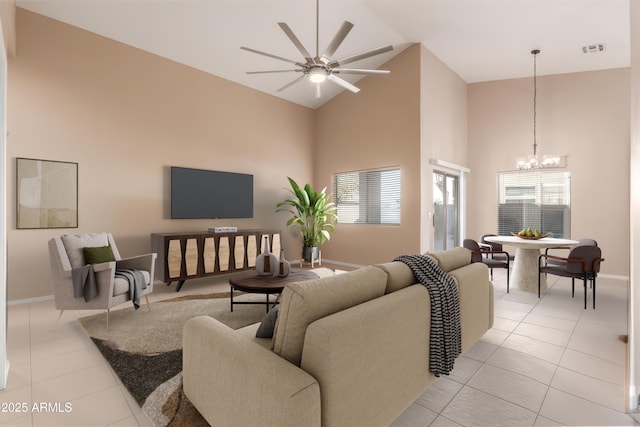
531	161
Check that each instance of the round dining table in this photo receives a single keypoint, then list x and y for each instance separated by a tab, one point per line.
525	265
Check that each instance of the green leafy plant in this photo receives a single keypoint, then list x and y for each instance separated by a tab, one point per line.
311	211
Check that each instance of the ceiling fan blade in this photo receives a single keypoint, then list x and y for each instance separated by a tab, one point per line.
296	42
248	49
274	71
291	83
345	84
337	41
359	56
360	71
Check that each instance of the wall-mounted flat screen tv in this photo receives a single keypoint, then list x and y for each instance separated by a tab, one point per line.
198	193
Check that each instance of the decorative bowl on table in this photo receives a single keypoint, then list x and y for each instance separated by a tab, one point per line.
525	237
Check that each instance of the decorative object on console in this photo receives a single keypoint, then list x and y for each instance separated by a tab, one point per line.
266	262
312	212
284	268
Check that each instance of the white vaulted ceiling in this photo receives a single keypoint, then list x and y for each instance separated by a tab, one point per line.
481	40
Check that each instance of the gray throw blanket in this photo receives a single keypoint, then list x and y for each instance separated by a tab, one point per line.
445	339
136	284
84	282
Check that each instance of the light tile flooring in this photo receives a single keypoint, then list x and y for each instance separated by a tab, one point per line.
545	362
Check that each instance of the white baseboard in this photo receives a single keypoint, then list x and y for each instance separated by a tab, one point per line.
614	277
29	300
344	264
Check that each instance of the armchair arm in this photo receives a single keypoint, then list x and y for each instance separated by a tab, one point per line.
141	262
234	381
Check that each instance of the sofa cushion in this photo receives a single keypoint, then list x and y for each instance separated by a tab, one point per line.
73	244
121	285
399	276
452	258
305	302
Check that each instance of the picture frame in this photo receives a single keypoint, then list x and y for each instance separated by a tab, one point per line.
46	194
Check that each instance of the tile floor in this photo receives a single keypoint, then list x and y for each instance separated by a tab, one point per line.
545	362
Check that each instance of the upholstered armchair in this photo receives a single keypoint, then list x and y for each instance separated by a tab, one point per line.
67	253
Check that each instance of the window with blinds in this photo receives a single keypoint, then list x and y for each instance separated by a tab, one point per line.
368	197
537	199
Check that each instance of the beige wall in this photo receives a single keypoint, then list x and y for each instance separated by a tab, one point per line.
378	127
75	96
443	125
633	359
125	116
417	113
583	115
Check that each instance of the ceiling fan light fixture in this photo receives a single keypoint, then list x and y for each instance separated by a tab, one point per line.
319	68
317	76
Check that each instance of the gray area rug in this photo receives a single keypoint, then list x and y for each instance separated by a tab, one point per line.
144	348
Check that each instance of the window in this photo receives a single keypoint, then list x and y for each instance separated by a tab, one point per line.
536	199
368	197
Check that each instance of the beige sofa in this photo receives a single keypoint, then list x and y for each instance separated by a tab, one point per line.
348	350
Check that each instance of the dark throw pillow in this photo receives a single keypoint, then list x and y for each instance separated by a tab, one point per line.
265	330
97	255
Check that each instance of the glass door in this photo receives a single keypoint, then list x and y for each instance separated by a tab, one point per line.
446	208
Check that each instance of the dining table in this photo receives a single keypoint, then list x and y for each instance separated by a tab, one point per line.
525	264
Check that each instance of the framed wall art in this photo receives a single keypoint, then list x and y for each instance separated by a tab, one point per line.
47	194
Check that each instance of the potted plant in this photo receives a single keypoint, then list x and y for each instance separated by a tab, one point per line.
312	213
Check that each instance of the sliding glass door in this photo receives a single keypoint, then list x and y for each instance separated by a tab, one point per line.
446	209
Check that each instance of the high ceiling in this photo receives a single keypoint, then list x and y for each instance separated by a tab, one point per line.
481	40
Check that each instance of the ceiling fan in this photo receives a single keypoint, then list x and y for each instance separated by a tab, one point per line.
319	68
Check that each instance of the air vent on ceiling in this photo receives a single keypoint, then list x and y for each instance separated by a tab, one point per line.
594	48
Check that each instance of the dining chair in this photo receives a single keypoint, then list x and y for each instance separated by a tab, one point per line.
485	256
495	247
583	262
583	242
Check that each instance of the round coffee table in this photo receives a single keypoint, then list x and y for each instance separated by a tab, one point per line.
251	282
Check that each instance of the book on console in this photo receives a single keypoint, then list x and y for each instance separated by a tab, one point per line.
223	229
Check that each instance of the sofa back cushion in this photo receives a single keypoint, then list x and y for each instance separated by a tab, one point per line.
305	302
399	275
451	259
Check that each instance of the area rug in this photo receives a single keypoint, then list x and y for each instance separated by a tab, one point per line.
144	348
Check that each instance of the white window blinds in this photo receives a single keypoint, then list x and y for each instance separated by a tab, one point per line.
537	199
368	197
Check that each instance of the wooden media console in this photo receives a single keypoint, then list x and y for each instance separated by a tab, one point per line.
183	256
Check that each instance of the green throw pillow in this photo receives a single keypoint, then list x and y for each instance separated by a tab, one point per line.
98	255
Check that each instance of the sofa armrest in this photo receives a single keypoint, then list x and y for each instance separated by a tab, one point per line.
234	381
476	301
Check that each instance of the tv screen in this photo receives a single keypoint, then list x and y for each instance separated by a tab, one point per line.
198	193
